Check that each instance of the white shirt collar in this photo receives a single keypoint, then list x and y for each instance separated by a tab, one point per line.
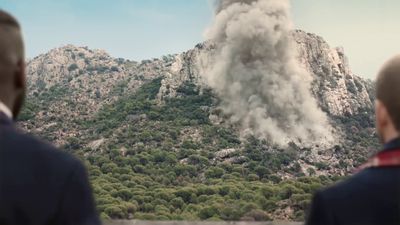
4	109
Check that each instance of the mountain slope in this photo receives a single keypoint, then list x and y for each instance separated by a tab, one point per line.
158	146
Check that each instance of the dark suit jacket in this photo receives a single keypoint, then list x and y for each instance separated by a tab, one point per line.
40	184
371	197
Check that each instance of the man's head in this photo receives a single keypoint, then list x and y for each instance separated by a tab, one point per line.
12	63
388	100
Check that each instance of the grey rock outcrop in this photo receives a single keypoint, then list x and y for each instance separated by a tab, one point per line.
338	90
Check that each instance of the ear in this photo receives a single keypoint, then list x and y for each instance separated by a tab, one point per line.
382	115
20	76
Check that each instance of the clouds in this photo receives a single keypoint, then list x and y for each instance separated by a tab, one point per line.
255	72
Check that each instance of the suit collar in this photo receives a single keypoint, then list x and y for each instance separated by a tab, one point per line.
392	145
4	109
4	119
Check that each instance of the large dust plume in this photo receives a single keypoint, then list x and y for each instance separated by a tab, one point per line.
255	71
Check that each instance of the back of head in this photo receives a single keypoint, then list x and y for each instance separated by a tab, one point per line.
7	19
11	44
388	89
12	62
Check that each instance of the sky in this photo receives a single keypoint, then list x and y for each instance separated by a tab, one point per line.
143	29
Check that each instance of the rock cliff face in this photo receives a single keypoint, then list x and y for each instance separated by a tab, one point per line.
338	90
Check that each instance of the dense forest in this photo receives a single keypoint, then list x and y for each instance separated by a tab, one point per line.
149	171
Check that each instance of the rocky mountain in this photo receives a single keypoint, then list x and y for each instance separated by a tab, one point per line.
142	126
340	92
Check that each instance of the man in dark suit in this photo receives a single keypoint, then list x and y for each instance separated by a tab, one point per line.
38	184
371	196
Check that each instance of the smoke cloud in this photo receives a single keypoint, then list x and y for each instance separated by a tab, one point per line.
255	71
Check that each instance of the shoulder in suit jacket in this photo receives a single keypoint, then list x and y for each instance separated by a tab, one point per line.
371	197
40	184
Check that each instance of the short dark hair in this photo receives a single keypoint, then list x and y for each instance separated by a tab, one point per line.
388	89
8	20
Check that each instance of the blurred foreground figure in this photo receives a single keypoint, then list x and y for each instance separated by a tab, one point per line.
38	184
372	196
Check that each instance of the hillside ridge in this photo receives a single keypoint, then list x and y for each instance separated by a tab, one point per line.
142	126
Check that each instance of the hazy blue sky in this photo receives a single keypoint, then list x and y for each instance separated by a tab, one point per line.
141	29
